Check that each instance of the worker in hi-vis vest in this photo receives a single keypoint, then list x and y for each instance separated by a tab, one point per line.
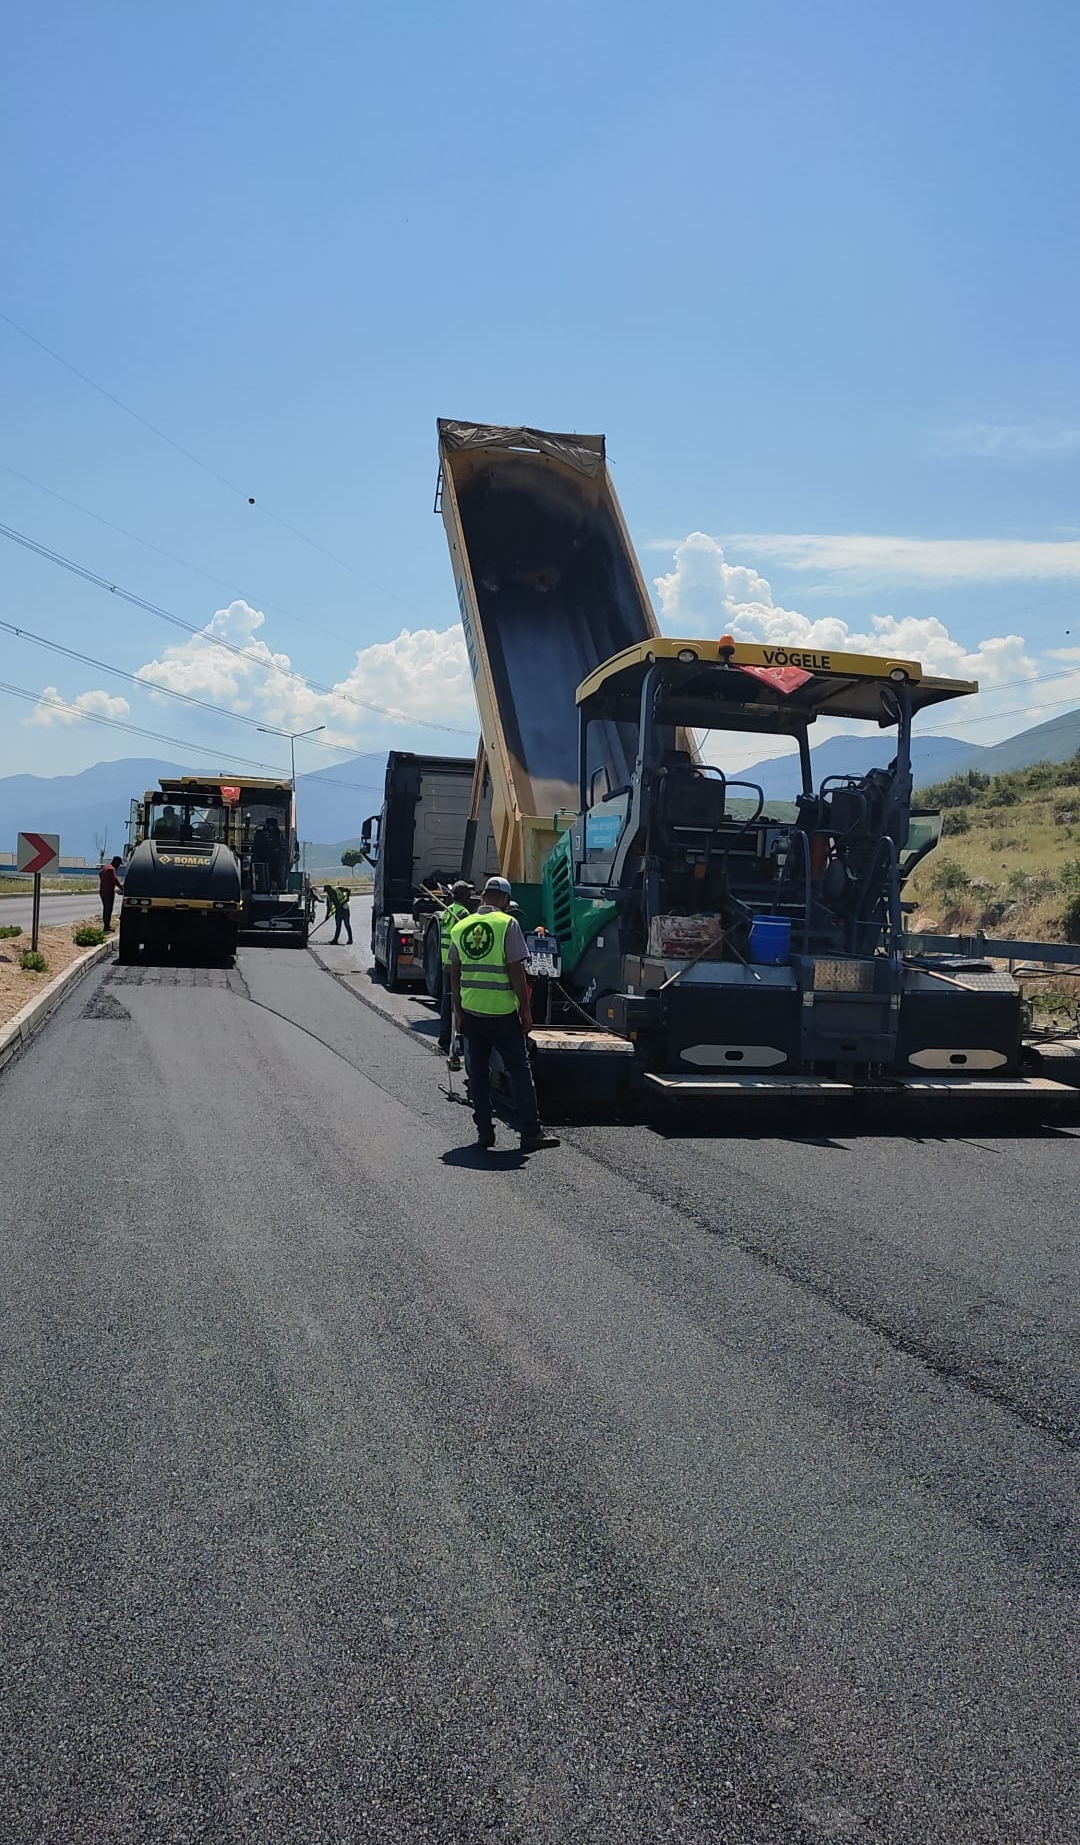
462	902
491	1011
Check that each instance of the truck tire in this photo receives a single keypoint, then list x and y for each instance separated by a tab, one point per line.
433	972
390	972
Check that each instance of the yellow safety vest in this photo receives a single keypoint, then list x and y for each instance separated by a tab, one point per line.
485	982
452	914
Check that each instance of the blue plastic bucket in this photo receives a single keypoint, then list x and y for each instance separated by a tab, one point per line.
770	941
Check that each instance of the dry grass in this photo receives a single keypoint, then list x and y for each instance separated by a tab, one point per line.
1013	858
14	886
17	988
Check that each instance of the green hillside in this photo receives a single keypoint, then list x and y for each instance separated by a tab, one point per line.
1009	859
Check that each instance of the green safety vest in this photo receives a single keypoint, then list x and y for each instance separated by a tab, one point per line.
485	982
452	914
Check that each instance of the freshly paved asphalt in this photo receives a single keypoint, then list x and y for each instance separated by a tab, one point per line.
661	1488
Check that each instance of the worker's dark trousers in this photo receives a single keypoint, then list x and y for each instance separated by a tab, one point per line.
446	1013
341	921
106	908
484	1034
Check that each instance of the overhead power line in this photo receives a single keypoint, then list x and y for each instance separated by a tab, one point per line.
217	640
186	698
198	462
180	743
208	576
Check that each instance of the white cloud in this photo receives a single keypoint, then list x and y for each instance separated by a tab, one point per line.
1006	441
909	560
206	670
704	594
52	709
423	674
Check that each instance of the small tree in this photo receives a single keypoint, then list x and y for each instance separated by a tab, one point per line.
351	857
101	841
949	879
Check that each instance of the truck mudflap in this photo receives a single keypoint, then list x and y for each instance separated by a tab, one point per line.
1038	1090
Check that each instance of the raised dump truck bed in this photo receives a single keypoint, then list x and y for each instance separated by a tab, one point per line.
548	588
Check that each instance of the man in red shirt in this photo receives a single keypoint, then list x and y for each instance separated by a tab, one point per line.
108	885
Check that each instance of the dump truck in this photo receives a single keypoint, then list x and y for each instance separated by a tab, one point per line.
189	839
689	938
416	846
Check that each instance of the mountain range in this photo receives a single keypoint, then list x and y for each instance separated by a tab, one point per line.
933	758
90	810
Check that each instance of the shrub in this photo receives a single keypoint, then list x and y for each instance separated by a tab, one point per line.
955	791
1069	877
87	935
957	820
949	878
1004	793
9	930
32	961
1070	921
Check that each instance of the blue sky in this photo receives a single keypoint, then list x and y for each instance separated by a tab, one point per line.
813	269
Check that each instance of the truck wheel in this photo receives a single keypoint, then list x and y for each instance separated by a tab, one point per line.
433	971
390	973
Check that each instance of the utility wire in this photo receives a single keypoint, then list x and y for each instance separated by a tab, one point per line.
187	698
181	743
135	730
208	576
198	462
217	640
990	717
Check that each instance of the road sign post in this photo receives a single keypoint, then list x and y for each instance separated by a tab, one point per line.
35	853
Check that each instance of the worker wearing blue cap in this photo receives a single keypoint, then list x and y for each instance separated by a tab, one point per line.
491	1011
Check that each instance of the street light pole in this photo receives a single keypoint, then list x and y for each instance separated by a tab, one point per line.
269	730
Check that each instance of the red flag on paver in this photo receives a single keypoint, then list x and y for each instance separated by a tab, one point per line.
785	679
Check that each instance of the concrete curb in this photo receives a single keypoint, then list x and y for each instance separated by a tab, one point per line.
19	1030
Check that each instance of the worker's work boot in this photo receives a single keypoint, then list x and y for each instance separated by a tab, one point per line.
485	1137
535	1143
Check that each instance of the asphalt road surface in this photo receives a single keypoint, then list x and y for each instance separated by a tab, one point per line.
659	1488
57	908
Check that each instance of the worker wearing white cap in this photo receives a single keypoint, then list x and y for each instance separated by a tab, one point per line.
491	1011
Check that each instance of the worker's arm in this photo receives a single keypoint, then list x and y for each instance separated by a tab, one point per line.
516	971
